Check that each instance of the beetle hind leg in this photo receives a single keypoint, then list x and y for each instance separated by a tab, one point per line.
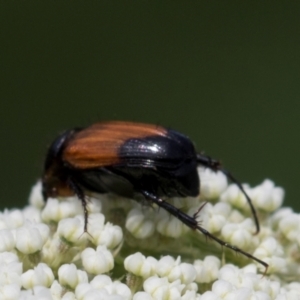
193	224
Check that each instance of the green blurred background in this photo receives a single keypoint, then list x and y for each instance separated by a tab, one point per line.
226	73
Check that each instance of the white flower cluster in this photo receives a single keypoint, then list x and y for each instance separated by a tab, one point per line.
44	253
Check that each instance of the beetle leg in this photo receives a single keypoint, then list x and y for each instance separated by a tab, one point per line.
81	196
198	210
215	165
193	224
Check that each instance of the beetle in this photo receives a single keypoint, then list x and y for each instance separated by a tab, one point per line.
129	159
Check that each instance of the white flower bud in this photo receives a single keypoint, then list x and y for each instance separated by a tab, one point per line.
193	286
246	277
293	290
96	223
97	262
138	225
40	275
10	291
209	295
236	217
71	230
242	293
165	265
271	252
289	226
240	234
69	276
85	291
32	214
212	183
110	236
113	288
100	295
173	269
68	296
10	269
213	217
207	269
272	288
36	197
8	257
138	265
121	289
170	226
82	289
100	281
42	228
230	274
260	295
266	196
7	241
160	288
185	272
279	215
40	292
235	197
12	218
222	288
55	210
3	223
30	238
10	273
56	290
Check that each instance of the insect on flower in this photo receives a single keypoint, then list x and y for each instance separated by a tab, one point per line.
128	158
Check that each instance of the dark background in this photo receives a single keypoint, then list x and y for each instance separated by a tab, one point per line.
226	73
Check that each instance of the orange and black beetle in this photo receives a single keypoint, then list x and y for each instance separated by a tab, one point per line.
128	158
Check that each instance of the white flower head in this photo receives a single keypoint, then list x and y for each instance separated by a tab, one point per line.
46	253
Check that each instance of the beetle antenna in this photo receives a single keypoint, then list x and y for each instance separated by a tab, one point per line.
193	224
215	165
